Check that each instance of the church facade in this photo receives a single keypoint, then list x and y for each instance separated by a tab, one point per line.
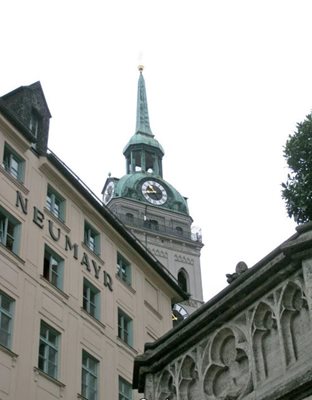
154	210
79	293
252	341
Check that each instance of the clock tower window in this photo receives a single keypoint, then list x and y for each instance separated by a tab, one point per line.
136	162
129	218
151	224
183	280
179	230
154	225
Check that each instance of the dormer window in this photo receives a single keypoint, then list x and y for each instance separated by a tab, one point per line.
34	122
35	125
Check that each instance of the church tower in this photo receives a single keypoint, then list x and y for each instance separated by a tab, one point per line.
154	210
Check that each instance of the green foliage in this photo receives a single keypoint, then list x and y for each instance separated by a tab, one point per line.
297	191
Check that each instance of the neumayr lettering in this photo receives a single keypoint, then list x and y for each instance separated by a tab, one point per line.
56	235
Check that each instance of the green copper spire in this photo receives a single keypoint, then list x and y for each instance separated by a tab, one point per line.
142	120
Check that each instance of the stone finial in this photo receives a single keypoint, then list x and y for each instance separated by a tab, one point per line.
240	268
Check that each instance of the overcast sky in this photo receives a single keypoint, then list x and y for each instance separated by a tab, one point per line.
226	81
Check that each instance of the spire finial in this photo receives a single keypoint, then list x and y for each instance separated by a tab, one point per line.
140	68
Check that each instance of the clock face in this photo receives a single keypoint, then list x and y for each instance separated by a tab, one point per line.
179	313
154	192
108	193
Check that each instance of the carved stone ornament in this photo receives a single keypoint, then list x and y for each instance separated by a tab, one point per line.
259	346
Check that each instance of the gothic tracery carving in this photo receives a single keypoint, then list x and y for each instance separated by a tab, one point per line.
227	376
265	342
295	322
258	346
166	388
188	379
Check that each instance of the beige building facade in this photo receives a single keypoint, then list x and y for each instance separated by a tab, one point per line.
79	293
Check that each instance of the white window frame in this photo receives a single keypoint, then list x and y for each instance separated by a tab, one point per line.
13	163
6	320
123	269
48	354
125	327
91	299
55	203
91	238
89	376
53	267
9	231
124	389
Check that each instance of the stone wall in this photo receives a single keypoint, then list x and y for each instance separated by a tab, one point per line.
263	351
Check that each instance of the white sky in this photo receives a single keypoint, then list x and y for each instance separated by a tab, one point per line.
226	80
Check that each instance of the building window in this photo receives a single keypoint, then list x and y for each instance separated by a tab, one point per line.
89	374
151	224
48	350
91	299
179	230
154	224
9	231
123	269
183	280
124	327
129	218
34	122
125	390
92	238
13	163
6	320
55	203
53	266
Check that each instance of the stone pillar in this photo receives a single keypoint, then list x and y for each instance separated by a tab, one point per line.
143	162
132	163
307	275
149	387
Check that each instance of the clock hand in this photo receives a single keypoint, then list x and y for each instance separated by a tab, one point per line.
150	189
